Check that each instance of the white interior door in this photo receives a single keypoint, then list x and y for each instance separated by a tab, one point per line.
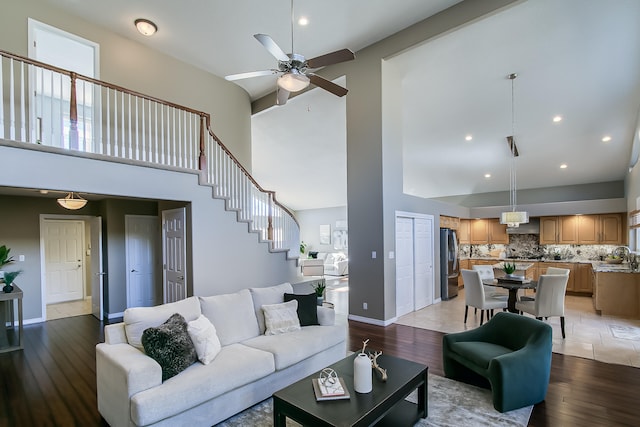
423	262
141	241
63	254
97	274
175	255
404	266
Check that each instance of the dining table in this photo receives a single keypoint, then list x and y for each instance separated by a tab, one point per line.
512	286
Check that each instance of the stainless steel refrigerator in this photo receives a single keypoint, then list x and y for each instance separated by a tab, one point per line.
449	265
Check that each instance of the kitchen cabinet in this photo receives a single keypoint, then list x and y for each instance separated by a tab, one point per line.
463	232
583	282
465	264
617	294
449	222
484	231
582	229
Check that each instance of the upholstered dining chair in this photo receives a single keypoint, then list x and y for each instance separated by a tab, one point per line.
486	273
549	300
550	270
474	296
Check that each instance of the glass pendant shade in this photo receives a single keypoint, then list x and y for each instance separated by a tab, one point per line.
72	202
293	81
514	218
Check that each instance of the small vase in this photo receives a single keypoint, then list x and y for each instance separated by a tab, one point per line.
319	300
7	289
362	374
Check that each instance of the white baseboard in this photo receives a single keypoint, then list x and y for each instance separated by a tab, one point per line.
370	321
32	321
112	316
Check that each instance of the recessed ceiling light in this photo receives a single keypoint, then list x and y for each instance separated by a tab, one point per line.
145	27
563	166
303	21
44	191
557	119
468	138
606	138
487	175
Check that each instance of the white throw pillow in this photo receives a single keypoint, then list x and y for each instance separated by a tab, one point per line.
268	295
205	340
232	315
281	318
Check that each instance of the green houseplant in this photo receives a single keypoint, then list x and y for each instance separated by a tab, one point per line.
319	289
4	259
509	268
9	277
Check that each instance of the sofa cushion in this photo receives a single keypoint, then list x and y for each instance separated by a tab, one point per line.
236	365
205	340
269	295
289	349
137	319
281	318
479	353
307	308
170	345
232	315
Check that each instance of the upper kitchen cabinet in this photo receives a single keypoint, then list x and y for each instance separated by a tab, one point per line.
464	236
449	222
582	229
483	231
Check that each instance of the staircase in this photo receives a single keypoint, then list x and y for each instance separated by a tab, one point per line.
80	114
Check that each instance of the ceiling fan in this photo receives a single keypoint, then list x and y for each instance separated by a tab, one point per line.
294	68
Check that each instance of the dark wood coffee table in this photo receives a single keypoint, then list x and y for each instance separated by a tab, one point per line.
384	406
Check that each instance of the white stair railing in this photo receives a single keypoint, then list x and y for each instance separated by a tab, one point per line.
46	105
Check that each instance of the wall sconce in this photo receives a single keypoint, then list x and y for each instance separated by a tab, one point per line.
72	202
145	27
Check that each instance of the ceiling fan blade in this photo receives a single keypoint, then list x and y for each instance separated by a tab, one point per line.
251	74
272	47
327	85
331	58
282	95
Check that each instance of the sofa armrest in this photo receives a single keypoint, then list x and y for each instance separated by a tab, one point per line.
326	316
115	334
122	371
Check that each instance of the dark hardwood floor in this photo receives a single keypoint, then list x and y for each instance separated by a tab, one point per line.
52	381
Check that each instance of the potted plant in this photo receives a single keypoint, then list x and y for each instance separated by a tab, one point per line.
319	288
4	259
9	277
303	247
509	268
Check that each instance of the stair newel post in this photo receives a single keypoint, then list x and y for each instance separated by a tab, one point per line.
73	115
202	158
270	217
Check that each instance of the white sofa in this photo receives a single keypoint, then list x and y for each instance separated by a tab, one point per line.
335	264
249	368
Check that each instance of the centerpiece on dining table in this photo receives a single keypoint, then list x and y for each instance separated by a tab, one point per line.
510	276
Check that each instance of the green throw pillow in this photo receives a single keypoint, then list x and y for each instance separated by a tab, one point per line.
170	345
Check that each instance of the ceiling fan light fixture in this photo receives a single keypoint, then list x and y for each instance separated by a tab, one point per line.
145	27
293	81
72	202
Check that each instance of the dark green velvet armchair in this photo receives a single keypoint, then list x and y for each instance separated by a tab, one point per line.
511	354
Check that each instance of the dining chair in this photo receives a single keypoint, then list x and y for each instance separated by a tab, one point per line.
474	296
549	300
550	270
486	273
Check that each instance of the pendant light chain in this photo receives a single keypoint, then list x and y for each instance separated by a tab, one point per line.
292	19
513	183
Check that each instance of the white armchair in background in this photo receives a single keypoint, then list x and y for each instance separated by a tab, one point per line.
335	264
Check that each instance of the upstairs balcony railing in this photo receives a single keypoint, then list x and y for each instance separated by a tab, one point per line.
43	104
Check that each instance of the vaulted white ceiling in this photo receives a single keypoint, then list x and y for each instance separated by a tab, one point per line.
576	58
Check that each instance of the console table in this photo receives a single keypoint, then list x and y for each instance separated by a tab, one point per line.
7	333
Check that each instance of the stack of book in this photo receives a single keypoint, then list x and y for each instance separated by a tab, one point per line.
328	391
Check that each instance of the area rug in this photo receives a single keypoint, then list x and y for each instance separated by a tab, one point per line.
625	332
451	403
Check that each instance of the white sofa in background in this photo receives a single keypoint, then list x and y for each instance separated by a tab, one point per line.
335	264
249	368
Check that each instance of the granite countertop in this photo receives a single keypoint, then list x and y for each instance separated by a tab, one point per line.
520	266
603	267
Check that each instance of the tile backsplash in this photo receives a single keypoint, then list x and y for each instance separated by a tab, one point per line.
528	246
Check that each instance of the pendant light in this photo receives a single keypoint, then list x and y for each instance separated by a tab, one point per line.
513	218
293	80
72	202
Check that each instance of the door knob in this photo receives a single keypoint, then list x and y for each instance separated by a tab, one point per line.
180	277
134	271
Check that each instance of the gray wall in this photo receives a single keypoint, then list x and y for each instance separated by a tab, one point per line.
225	257
310	221
134	66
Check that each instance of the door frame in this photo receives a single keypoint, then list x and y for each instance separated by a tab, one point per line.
43	279
414	216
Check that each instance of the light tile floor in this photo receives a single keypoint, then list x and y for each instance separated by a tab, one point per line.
69	309
588	334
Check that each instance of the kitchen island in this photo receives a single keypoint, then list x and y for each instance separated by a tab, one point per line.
616	291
